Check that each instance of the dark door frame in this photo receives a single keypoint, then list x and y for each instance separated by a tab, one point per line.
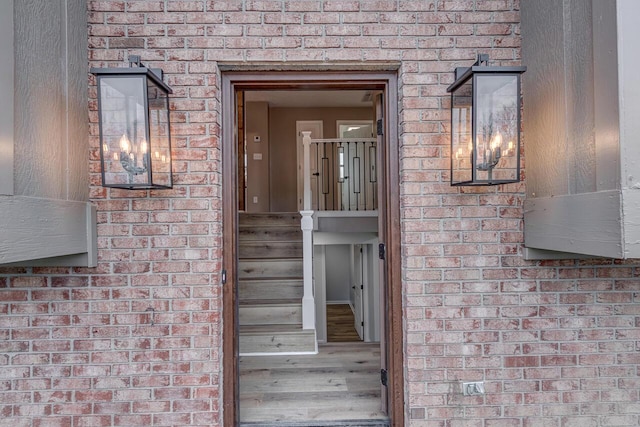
237	79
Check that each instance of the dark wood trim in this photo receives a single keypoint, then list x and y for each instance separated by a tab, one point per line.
395	337
230	375
301	80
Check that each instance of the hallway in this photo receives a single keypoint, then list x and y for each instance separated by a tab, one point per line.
341	382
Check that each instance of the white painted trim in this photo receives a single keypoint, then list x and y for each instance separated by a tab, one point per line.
6	94
366	281
326	238
310	126
308	303
320	292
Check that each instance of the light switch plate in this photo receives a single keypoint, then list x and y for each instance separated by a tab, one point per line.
257	156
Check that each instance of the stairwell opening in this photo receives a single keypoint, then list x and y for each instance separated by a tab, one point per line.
276	370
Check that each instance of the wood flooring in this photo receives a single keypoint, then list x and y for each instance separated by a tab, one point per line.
340	326
338	386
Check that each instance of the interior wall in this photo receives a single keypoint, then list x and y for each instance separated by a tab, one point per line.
337	273
257	137
282	130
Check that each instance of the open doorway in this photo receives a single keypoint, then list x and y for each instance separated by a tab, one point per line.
274	191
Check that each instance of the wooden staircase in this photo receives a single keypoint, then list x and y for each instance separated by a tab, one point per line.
270	285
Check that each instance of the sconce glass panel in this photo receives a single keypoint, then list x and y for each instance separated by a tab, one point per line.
497	148
461	136
124	146
159	133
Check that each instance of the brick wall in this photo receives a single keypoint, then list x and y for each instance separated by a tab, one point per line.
137	340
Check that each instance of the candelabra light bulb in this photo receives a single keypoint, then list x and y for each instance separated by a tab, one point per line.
125	145
496	141
144	147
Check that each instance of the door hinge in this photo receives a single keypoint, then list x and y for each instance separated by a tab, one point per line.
224	277
362	287
383	377
381	251
379	127
361	323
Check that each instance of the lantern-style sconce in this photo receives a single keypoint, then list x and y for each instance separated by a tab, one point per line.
135	139
485	124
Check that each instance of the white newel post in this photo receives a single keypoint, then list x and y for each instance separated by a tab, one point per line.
308	303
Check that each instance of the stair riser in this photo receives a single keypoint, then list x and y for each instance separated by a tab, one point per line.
270	290
270	315
270	250
271	219
269	234
273	269
303	342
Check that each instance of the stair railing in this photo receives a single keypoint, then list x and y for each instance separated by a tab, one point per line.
342	174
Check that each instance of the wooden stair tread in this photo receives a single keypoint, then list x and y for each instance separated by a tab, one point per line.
265	302
276	328
270	279
269	218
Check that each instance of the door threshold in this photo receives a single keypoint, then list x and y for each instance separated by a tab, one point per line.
345	423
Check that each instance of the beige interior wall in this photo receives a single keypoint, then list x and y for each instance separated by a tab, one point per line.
283	154
257	128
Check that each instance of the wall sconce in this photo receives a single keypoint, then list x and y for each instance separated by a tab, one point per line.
135	138
485	124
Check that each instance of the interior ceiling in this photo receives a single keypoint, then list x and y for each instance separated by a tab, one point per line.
311	98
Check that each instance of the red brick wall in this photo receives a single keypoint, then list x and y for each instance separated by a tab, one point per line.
555	342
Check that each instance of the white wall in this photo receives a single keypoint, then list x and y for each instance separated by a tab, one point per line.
337	273
257	126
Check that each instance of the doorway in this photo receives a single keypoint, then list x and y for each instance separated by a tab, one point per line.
235	81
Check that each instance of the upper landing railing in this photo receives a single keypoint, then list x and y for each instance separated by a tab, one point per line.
340	174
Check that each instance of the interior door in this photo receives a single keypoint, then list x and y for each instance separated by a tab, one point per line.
357	287
315	127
